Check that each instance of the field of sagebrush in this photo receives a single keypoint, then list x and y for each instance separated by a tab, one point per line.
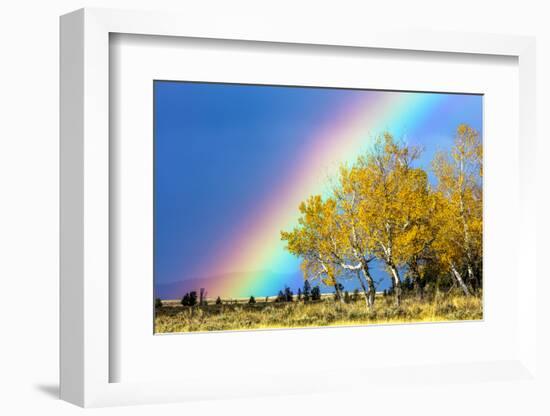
327	312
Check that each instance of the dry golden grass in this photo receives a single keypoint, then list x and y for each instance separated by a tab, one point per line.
453	307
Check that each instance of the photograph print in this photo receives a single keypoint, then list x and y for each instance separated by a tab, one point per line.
296	207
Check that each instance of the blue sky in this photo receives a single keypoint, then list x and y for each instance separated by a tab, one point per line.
221	148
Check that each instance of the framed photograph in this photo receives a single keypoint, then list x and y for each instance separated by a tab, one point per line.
238	205
314	206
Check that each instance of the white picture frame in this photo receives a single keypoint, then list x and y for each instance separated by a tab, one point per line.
85	206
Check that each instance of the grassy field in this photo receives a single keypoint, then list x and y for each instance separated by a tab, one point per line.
172	317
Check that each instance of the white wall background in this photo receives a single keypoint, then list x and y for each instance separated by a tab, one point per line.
29	183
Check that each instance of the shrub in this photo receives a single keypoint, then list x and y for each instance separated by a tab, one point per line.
218	301
158	303
251	301
347	297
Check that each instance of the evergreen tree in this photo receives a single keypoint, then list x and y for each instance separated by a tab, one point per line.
307	291
189	299
288	294
192	298
316	293
185	300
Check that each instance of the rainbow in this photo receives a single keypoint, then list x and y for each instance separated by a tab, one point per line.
253	262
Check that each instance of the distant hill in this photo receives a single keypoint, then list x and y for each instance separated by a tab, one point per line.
175	290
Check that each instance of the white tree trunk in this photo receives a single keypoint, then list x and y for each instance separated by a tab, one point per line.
396	283
460	280
372	290
363	287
